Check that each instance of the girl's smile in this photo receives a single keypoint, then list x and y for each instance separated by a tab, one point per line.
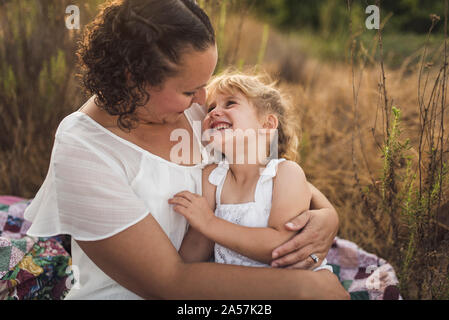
220	125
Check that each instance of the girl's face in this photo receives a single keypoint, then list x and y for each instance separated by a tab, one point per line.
177	93
230	111
229	115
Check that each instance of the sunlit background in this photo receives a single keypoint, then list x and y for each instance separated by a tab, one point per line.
371	106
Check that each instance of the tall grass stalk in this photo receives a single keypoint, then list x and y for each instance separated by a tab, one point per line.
403	202
221	33
263	44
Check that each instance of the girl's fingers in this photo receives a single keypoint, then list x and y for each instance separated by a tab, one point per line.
298	222
185	194
179	201
181	210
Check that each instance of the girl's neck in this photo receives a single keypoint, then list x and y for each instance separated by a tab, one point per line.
246	169
242	173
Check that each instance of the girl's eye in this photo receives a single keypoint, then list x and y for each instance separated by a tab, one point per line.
189	94
210	109
230	103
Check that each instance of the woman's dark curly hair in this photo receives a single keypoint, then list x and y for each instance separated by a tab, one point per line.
135	43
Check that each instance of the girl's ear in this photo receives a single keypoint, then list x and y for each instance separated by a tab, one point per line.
271	122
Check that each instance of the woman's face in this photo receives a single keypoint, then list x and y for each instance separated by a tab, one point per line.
168	101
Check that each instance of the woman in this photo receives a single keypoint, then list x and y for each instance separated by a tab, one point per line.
110	176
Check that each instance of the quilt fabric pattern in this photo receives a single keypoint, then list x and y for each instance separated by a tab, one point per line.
40	268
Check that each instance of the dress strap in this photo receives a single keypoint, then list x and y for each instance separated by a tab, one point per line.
270	170
217	178
264	187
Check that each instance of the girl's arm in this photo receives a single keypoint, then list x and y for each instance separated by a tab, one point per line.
291	194
316	229
195	246
159	272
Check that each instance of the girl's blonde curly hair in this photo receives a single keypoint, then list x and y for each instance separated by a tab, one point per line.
267	98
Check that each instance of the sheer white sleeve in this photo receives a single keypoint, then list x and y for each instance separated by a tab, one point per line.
86	194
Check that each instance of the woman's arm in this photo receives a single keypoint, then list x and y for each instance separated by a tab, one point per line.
159	272
291	195
196	247
317	229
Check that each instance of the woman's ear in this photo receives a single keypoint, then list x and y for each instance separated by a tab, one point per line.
271	122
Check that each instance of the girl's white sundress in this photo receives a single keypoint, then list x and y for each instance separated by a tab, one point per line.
251	214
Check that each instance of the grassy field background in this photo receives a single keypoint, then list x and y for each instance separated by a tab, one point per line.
384	168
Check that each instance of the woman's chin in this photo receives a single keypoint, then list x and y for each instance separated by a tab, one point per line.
174	117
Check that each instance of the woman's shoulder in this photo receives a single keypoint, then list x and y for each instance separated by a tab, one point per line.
79	140
86	124
76	124
80	129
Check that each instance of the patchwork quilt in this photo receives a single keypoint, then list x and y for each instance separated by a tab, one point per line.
30	268
40	268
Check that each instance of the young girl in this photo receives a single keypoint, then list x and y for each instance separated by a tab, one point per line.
248	197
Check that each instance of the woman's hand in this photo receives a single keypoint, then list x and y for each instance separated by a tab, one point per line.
194	208
317	229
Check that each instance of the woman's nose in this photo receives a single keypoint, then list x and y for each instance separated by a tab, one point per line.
200	97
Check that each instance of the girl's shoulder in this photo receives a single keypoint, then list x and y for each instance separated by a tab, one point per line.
291	192
209	168
289	170
211	177
289	166
208	187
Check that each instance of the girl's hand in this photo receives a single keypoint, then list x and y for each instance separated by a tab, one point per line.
319	228
194	208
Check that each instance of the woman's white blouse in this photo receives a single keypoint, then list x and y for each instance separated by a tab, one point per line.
99	184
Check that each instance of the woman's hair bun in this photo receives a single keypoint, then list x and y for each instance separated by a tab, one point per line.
134	17
128	23
135	43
